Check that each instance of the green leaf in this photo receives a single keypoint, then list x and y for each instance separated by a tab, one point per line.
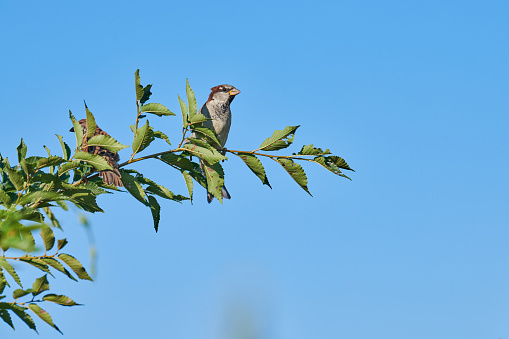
40	285
51	161
183	108
52	218
142	138
255	166
15	177
311	150
3	282
6	317
37	263
60	299
7	266
279	139
333	163
20	312
68	166
160	135
155	209
26	235
48	237
133	186
157	109
58	266
163	192
215	179
210	155
107	142
180	162
97	161
191	100
146	94
296	172
43	315
40	195
21	293
78	131
199	118
61	243
4	197
91	125
66	151
207	132
139	88
75	265
22	150
189	183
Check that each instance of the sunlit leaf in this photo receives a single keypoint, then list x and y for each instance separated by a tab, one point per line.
139	88
133	186
66	151
22	150
107	142
78	130
296	172
191	100
143	137
183	108
58	266
60	299
211	156
91	125
7	267
157	109
43	315
255	166
48	237
155	209
40	285
279	139
75	265
97	161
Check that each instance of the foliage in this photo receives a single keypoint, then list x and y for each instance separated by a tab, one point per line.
37	185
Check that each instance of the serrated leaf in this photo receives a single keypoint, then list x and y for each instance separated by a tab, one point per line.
39	195
68	166
163	192
37	263
191	100
52	218
215	179
22	150
146	94
3	282
97	161
255	165
6	317
40	285
161	135
311	150
142	139
133	186
26	235
58	266
157	109
66	151
15	177
61	243
107	142
208	133
137	83
43	315
7	267
189	183
78	130
51	161
6	200
183	108
48	237
60	299
296	172
156	211
333	163
210	155
91	125
180	162
75	265
276	142
20	312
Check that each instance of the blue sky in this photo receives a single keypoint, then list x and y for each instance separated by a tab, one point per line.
412	94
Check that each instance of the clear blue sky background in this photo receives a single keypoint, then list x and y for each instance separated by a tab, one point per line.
413	94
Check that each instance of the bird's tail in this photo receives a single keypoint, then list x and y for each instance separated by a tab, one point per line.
224	194
111	177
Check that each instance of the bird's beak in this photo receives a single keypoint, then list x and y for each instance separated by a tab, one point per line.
234	92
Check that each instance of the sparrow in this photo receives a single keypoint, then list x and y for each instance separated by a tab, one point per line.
217	108
109	177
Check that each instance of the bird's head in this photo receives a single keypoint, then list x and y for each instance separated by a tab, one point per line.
223	93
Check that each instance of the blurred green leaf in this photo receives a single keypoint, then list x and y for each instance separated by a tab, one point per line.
37	263
75	265
107	142
296	172
155	209
48	237
15	177
157	109
43	315
255	166
20	312
4	197
279	139
6	317
3	282
21	293
52	218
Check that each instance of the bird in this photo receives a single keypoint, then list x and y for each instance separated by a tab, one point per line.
217	108
110	177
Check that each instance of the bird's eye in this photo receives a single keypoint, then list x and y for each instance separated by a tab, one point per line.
221	88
